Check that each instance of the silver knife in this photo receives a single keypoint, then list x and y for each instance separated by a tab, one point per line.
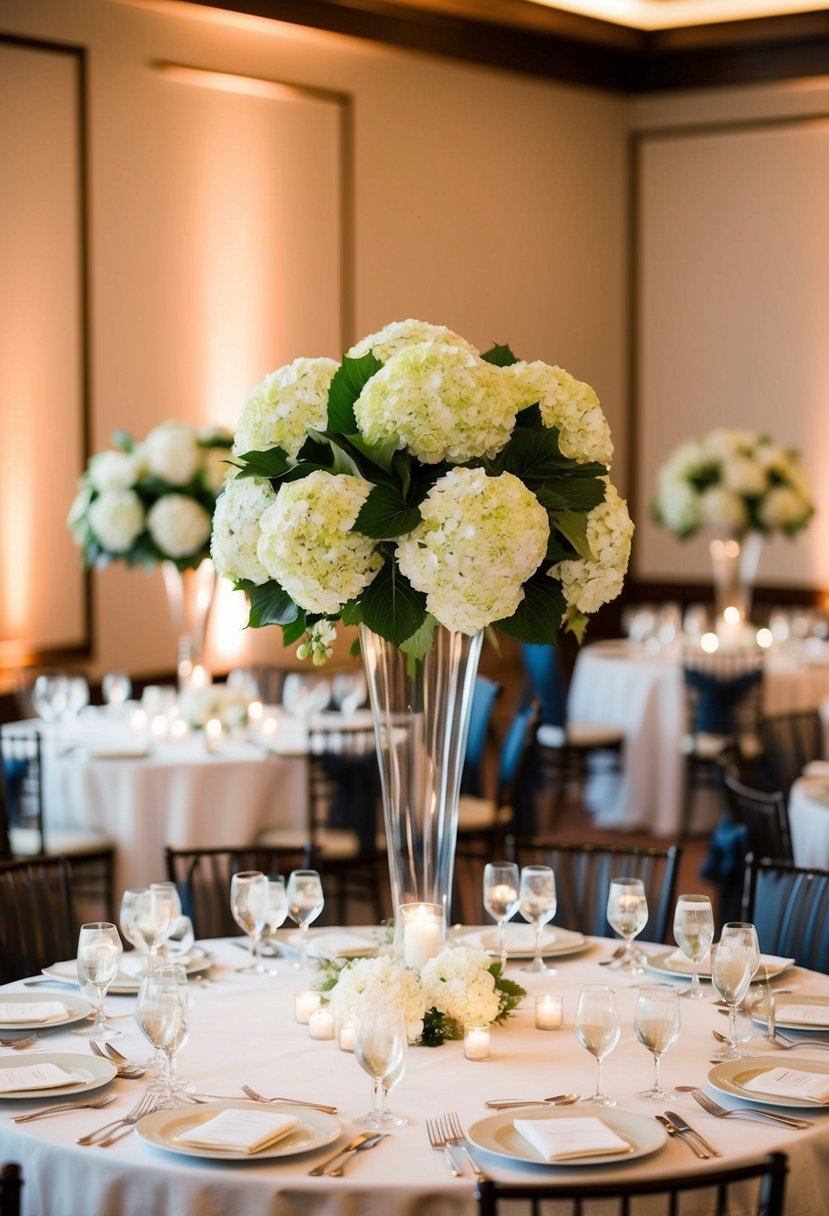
682	1125
673	1130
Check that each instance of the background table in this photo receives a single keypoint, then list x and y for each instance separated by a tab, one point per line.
243	1031
809	821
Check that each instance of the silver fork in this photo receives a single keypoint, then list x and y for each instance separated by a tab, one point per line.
456	1138
437	1139
257	1097
766	1116
125	1068
786	1044
21	1044
59	1108
144	1106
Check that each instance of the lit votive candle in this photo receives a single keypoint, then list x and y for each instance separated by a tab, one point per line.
347	1036
213	734
159	726
476	1042
549	1012
178	729
199	677
305	1003
321	1023
422	932
269	727
255	713
138	722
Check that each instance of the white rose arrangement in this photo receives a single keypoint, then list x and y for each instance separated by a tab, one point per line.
152	501
733	481
420	482
224	702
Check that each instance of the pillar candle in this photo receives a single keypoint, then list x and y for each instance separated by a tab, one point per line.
306	1003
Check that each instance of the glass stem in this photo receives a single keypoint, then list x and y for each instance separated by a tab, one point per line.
254	949
382	1094
657	1081
598	1092
501	945
695	984
99	1026
537	931
732	1026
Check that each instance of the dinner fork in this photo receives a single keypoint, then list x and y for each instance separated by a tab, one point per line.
766	1116
144	1106
257	1097
437	1139
21	1044
455	1137
786	1044
125	1068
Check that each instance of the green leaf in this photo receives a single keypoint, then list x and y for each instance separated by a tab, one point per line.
573	526
530	417
343	462
382	454
351	613
537	618
269	604
420	643
384	515
349	380
292	631
500	356
576	624
123	440
571	493
391	606
535	456
272	463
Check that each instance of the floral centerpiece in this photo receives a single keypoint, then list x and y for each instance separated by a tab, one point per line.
458	986
225	703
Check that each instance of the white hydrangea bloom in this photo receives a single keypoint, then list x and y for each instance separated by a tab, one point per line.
570	405
589	584
236	530
722	508
742	475
784	508
479	541
171	452
76	519
399	334
179	525
383	980
308	546
215	468
114	470
288	403
678	504
459	983
441	402
117	518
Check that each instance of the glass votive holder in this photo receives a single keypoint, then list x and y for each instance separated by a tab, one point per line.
422	932
549	1011
321	1023
347	1036
476	1041
306	1002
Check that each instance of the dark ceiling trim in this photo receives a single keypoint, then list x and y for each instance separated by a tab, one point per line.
516	35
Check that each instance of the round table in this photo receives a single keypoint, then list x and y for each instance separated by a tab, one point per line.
809	821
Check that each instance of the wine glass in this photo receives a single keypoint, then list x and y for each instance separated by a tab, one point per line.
598	1029
731	971
248	900
99	953
156	911
162	1014
537	904
745	931
501	897
627	914
116	688
127	920
276	909
656	1023
305	902
380	1048
693	933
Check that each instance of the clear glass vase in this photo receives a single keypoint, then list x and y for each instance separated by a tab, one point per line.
190	595
734	563
421	720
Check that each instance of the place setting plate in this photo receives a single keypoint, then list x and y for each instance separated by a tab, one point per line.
520	941
329	943
497	1134
810	1013
164	1128
90	1071
670	963
128	981
730	1077
77	1009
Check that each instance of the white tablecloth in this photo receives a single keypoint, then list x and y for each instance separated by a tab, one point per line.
809	822
243	1031
618	683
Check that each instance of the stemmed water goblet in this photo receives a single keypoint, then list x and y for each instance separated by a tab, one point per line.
156	911
127	919
380	1048
732	966
598	1029
501	884
305	902
248	904
537	904
116	688
276	909
693	933
656	1024
99	953
627	914
162	1014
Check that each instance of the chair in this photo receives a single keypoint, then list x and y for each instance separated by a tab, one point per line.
764	816
484	696
764	1180
43	903
11	1184
790	907
583	873
202	877
789	742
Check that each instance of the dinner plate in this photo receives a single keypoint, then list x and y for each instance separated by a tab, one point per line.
76	1009
730	1078
164	1127
664	964
92	1071
497	1134
128	981
520	941
327	943
788	1021
136	750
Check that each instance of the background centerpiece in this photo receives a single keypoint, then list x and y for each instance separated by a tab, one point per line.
423	492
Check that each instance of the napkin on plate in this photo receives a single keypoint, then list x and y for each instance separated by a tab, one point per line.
809	1015
517	938
791	1083
243	1131
678	961
570	1138
32	1011
330	945
36	1076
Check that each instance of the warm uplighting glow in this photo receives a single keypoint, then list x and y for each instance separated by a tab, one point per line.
230	616
656	15
709	642
764	637
732	615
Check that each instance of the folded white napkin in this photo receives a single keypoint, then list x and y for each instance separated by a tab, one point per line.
811	1015
570	1138
35	1076
517	938
244	1131
791	1083
678	961
329	945
32	1011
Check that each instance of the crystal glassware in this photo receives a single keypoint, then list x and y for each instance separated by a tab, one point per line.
162	1014
693	933
627	914
656	1024
116	688
598	1029
501	883
731	971
248	904
156	911
380	1048
99	953
537	904
305	902
131	902
276	909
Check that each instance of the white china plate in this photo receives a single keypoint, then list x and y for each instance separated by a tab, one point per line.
127	983
783	1020
497	1134
164	1127
93	1072
664	964
519	940
326	943
117	751
730	1078
76	1010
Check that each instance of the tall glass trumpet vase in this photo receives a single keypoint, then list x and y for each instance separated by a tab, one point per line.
734	564
421	721
190	595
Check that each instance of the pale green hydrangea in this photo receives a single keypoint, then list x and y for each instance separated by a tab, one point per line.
179	525
566	403
459	983
281	409
171	452
723	509
308	546
114	470
116	518
236	530
589	584
319	642
441	402
479	540
383	980
399	334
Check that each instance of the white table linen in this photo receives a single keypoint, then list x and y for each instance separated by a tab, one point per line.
809	822
243	1031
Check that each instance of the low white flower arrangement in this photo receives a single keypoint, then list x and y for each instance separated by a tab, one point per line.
152	501
458	986
735	482
225	703
420	482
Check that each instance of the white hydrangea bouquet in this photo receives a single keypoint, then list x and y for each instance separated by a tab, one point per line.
456	987
226	703
734	481
152	501
417	482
